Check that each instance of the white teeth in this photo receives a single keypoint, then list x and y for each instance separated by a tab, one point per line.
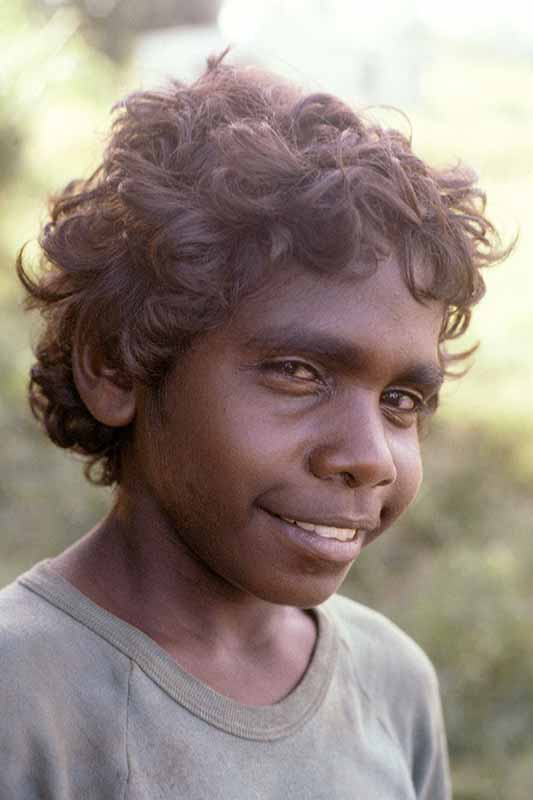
327	532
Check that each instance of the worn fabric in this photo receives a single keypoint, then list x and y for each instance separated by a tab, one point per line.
92	708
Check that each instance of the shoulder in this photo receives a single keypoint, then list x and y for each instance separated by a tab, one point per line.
33	630
63	690
398	685
375	636
390	668
47	655
28	625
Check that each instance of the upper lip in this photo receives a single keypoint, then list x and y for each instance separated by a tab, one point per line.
351	523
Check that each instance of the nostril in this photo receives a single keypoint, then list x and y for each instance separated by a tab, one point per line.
349	480
352	482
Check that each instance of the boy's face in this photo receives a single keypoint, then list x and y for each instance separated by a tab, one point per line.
304	408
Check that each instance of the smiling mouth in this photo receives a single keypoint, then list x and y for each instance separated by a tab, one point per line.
325	531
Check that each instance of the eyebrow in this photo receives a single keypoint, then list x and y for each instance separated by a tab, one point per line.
340	350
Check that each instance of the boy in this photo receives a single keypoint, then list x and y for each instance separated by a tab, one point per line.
246	310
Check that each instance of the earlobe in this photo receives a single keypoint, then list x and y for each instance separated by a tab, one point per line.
109	398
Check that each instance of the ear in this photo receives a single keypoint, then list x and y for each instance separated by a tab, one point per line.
107	395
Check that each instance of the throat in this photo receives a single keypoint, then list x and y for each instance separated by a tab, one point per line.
261	676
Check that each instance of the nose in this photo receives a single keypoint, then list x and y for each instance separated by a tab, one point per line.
354	448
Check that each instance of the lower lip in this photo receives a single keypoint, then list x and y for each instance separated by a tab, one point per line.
318	546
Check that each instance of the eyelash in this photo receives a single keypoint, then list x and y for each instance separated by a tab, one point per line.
287	367
420	405
281	368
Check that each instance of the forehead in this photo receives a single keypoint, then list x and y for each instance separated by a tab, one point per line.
376	311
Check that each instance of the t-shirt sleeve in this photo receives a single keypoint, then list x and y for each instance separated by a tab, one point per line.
429	765
62	706
414	717
31	763
401	687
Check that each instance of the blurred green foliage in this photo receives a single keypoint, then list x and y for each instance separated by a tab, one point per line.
456	573
111	25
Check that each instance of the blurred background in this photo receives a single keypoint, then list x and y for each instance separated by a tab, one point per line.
457	573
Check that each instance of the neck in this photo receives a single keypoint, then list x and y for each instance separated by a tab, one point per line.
134	565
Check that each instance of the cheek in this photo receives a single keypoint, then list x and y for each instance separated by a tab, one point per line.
213	466
408	462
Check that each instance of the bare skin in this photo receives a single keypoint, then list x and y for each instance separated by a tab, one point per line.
304	406
247	651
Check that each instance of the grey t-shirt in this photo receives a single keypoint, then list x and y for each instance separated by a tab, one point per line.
93	709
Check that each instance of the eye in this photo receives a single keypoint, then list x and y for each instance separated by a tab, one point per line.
291	368
404	402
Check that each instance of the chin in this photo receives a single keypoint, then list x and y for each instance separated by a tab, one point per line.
309	591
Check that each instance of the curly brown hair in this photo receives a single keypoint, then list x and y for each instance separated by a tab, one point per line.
205	190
